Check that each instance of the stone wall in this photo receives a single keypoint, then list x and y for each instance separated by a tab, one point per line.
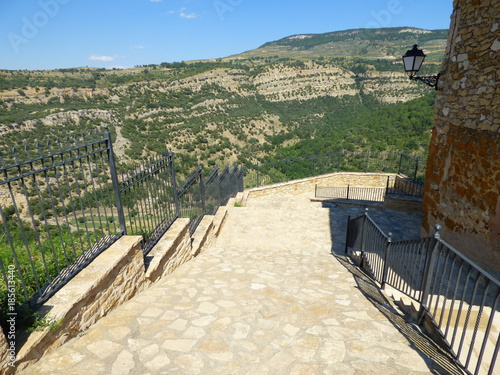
463	170
111	279
339	179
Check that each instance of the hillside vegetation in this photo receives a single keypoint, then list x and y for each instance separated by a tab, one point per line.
297	96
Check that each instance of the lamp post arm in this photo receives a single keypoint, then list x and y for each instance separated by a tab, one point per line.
431	81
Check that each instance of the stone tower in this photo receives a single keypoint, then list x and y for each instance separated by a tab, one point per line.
463	170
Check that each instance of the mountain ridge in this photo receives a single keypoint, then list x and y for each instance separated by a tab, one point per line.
234	109
374	43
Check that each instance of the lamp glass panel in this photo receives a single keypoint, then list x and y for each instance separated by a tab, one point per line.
418	62
409	63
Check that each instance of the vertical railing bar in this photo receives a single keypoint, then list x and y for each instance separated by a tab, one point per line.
429	269
61	198
72	201
14	254
114	179
158	185
142	204
78	192
94	193
21	226
148	204
462	299
106	188
487	333
434	283
174	186
447	286
202	193
54	211
98	192
455	291
86	196
494	356
478	320
41	202
467	316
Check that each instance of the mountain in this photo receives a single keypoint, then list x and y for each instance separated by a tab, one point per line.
288	97
383	43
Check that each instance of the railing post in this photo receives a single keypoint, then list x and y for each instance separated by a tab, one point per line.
347	233
363	239
427	277
258	175
174	187
202	191
218	189
114	179
387	253
348	187
388	184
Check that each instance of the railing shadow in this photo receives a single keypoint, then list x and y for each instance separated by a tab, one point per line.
438	359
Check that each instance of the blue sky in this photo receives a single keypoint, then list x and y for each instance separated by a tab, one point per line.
51	34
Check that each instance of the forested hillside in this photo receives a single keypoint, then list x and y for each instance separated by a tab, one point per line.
245	109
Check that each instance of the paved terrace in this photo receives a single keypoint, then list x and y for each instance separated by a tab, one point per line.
268	297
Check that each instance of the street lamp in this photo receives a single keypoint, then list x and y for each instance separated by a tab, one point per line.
412	61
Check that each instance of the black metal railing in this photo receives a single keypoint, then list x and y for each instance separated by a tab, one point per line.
460	298
149	201
58	211
201	196
309	166
191	199
373	194
404	186
62	204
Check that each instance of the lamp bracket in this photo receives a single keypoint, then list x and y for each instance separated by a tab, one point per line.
431	81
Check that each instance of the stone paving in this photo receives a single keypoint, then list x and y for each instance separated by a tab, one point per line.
267	298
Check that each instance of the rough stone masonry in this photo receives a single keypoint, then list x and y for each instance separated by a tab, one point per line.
463	171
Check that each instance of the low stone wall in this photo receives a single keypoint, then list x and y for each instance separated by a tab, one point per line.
337	179
4	350
111	279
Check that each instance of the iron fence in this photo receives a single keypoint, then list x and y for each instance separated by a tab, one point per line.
201	196
460	299
148	200
309	166
58	211
62	204
373	194
404	186
191	199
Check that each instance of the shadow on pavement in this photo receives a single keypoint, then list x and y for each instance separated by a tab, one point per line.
438	359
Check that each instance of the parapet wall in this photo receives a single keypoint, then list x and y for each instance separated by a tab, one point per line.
338	179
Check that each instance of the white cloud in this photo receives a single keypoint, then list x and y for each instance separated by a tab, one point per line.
181	12
137	47
188	16
102	58
155	1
